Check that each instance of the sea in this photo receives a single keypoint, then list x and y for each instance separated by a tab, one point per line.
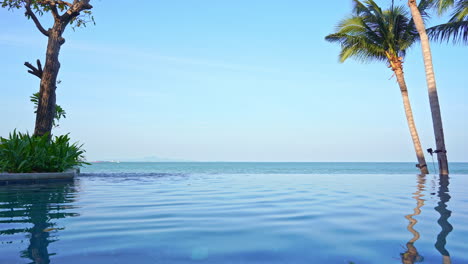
239	212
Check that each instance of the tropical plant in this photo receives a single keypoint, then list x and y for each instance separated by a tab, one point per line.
372	34
417	13
75	13
21	153
456	28
59	111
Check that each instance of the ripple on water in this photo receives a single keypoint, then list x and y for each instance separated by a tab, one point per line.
245	218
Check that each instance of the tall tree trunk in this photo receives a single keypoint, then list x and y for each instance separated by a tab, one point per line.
409	118
46	107
432	89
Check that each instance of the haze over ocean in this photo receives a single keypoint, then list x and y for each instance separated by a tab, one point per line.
115	169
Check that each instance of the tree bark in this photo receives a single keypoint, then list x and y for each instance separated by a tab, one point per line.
409	118
432	89
46	107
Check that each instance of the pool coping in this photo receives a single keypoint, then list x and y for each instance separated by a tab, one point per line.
68	174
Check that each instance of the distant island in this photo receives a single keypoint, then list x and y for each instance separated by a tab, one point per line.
144	159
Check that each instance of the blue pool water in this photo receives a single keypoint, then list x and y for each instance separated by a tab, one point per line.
238	213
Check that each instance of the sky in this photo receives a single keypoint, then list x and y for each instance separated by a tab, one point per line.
229	81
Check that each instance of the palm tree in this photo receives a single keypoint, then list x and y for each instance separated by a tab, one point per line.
431	83
457	26
373	34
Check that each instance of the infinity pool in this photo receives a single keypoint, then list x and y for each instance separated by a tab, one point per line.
236	218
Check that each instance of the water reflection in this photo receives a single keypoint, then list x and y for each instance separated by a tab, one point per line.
441	208
411	255
39	206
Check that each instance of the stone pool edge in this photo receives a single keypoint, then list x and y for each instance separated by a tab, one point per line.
68	174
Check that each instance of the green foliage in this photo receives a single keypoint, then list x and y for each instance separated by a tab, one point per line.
22	153
59	111
371	33
459	8
82	20
456	29
39	7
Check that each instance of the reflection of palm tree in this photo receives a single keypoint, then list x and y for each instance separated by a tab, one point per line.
39	205
441	207
411	255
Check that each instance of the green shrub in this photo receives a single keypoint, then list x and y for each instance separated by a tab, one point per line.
25	153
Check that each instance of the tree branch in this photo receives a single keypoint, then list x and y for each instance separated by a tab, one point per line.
53	6
76	8
54	2
35	71
55	13
31	14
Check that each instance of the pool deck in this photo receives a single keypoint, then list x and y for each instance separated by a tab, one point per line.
69	174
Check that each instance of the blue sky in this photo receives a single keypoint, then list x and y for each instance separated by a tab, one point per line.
228	81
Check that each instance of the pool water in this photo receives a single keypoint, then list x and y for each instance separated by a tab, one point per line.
236	218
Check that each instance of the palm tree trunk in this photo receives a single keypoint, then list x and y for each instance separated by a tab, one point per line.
409	118
432	89
46	106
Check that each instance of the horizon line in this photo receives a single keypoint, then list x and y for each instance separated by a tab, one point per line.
187	161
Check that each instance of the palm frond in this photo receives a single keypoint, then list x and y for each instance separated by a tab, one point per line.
455	31
351	25
371	33
460	12
425	5
360	9
443	5
358	47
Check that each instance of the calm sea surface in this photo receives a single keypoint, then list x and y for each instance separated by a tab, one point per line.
238	213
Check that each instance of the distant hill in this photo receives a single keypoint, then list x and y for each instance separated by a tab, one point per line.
154	159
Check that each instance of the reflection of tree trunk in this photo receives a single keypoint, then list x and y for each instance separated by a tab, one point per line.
411	255
37	250
30	205
417	210
446	260
445	214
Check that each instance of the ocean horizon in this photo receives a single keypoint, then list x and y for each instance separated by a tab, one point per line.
266	168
